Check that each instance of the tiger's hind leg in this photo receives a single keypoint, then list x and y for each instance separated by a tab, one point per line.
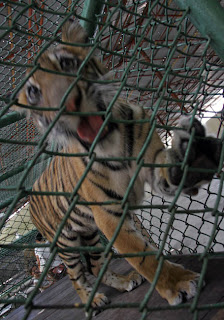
76	271
120	282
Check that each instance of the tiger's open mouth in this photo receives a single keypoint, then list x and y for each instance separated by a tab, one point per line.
89	127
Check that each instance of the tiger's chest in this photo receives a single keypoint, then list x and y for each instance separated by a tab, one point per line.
113	183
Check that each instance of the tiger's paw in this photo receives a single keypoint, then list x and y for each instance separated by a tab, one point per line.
182	285
99	300
190	144
135	280
185	290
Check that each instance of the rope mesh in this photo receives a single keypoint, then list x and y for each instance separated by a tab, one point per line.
160	61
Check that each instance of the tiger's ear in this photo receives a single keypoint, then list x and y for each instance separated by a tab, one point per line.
73	32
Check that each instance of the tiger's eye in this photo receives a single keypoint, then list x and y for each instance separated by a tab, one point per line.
68	64
33	94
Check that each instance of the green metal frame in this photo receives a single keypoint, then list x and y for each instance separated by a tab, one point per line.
91	8
208	17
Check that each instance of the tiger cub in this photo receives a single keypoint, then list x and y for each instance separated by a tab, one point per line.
98	178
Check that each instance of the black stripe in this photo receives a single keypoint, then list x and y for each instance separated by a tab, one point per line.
108	192
79	223
143	258
95	243
65	255
95	257
65	169
72	258
70	238
60	205
94	171
33	206
65	246
129	133
90	236
114	213
50	226
114	167
81	214
76	279
78	99
85	145
88	262
37	218
73	265
140	126
53	174
34	211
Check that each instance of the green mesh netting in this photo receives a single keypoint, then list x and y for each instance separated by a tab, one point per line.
165	64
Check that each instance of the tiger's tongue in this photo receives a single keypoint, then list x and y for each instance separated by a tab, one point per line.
89	127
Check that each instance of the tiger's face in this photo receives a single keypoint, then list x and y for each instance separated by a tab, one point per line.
59	83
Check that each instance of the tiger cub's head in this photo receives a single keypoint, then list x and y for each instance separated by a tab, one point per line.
63	81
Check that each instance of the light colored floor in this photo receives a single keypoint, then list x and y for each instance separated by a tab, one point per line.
190	233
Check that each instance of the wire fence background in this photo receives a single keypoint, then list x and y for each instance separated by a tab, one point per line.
163	62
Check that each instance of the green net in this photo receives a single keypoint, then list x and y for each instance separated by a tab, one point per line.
162	62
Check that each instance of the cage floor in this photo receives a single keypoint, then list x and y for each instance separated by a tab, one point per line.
62	294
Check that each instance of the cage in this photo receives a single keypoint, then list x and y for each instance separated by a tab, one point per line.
167	56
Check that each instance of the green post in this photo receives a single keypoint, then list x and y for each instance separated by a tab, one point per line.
10	118
208	18
90	9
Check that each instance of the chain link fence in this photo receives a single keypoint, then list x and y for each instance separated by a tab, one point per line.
164	62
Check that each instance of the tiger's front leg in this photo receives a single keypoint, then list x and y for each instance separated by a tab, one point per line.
118	281
175	283
77	271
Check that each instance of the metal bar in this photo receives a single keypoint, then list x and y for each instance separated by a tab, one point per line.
10	118
8	291
208	17
91	8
